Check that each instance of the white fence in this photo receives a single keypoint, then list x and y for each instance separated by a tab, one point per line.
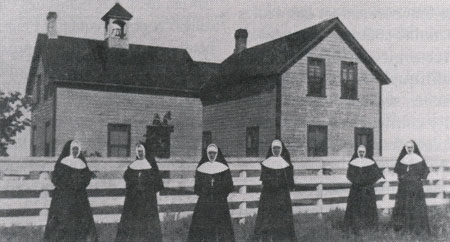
25	186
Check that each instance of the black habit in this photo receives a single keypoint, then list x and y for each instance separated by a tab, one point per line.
275	221
70	217
410	211
211	221
361	212
140	217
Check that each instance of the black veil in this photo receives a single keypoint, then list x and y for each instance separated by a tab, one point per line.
355	155
220	158
284	153
403	153
66	152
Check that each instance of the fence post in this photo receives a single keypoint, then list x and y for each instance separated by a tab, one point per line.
44	195
440	183
386	189
242	191
319	190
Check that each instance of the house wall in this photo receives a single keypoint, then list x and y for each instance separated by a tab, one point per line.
228	122
85	114
42	112
340	115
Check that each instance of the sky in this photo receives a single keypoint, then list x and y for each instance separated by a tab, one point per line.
409	40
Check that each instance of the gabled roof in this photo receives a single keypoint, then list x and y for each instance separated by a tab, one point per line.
76	60
277	56
117	11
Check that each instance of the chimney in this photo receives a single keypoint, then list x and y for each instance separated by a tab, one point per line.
52	32
241	40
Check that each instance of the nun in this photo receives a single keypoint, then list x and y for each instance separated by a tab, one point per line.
275	221
140	217
363	173
70	217
410	210
211	221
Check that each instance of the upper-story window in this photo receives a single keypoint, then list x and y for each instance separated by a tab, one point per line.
47	91
38	88
349	80
316	77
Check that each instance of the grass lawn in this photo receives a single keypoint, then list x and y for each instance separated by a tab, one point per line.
309	227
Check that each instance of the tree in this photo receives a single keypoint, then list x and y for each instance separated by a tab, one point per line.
12	119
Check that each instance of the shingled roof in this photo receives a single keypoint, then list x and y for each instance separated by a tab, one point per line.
277	56
85	61
117	11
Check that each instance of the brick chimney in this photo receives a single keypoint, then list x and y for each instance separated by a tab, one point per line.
241	40
52	32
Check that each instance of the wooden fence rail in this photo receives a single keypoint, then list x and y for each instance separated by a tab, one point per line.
321	186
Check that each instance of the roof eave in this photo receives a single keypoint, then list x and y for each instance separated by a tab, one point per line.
106	17
37	53
127	88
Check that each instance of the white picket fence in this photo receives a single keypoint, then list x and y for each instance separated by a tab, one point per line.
327	190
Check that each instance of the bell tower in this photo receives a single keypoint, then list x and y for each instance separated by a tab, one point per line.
116	27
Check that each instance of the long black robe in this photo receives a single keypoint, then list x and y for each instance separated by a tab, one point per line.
275	219
361	212
140	217
70	217
410	210
211	221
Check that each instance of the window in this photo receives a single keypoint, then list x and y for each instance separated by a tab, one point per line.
252	141
349	80
38	89
47	91
317	140
33	140
118	29
118	140
364	136
158	136
47	139
206	139
316	77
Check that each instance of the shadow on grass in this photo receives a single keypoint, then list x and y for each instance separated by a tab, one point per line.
309	227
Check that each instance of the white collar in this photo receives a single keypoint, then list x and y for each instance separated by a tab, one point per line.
361	162
76	163
212	167
410	159
275	162
140	165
